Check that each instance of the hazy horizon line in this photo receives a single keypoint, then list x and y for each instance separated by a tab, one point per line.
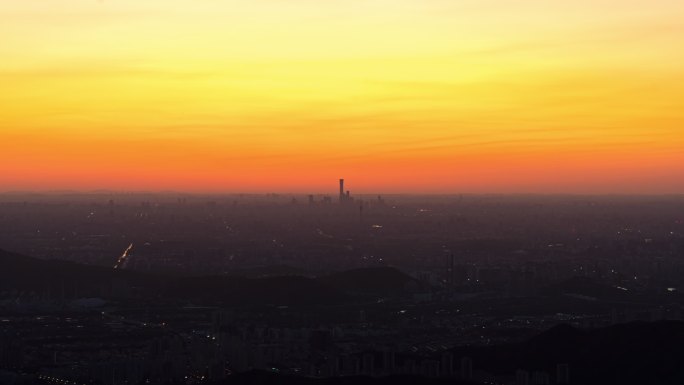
261	193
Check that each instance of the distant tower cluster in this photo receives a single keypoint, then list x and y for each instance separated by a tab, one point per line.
345	199
345	196
342	190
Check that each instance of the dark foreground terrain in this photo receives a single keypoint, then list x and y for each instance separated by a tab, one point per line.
63	322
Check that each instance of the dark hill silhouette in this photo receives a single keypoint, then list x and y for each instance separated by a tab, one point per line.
378	280
585	287
285	290
64	280
634	353
563	334
264	378
267	271
61	278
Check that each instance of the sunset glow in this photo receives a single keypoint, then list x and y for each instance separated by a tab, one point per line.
434	96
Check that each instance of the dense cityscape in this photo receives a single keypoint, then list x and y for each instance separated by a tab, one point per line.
341	192
135	288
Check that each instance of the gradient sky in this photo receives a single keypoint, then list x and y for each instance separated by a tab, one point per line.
583	96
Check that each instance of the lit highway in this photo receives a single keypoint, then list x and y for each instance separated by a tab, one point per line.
121	262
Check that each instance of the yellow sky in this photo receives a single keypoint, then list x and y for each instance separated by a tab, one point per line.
403	95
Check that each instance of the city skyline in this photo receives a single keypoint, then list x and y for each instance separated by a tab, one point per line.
373	192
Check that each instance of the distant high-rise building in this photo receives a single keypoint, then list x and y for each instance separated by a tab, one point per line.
389	361
368	363
345	196
447	365
540	378
522	377
429	368
450	265
563	374
466	368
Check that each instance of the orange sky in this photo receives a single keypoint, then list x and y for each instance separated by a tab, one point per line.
431	96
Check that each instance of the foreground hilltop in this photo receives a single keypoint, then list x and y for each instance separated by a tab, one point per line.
55	280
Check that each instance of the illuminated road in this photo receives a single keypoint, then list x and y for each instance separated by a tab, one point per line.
121	262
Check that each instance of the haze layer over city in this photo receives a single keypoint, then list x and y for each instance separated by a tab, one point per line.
462	192
302	287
